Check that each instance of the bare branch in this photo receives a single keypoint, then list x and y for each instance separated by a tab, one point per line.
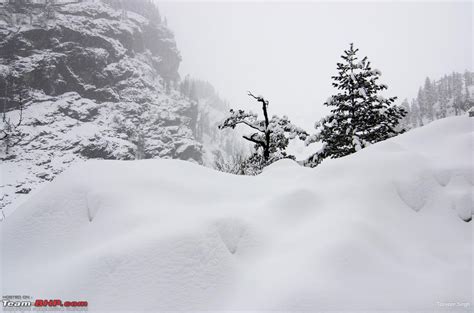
258	142
266	152
250	125
259	99
241	117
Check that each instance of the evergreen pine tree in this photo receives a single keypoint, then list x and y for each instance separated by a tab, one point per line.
185	86
430	99
468	78
360	116
468	82
442	111
405	122
458	103
415	113
193	92
448	96
421	101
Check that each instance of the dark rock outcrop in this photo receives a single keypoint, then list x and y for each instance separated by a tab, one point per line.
100	85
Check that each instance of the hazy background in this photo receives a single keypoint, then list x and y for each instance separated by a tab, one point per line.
288	51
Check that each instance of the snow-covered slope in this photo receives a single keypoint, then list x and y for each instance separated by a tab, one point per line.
379	230
99	83
450	95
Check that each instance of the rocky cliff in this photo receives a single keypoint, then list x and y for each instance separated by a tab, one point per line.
98	83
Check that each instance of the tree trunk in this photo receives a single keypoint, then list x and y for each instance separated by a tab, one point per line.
266	148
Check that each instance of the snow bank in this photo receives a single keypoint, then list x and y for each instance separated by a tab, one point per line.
379	230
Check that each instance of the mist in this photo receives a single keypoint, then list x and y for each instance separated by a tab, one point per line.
127	184
288	51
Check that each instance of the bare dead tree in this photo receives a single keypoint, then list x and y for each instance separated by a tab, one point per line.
266	131
9	127
271	135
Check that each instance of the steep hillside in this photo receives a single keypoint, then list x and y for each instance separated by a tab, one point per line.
449	96
96	83
384	229
218	143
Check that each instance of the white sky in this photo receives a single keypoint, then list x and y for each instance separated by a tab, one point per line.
287	51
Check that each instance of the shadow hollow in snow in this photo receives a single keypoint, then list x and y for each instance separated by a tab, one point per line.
93	202
459	190
295	205
231	231
417	190
173	236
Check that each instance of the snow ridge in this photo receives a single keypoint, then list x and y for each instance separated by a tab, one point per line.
167	235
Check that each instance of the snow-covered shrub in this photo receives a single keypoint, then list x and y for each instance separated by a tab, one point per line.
247	165
232	165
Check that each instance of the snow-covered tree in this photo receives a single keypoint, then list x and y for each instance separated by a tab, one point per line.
459	103
414	117
271	136
422	105
13	101
450	95
430	99
442	99
360	115
405	122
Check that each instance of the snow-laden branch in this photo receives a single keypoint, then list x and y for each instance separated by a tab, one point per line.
272	136
241	117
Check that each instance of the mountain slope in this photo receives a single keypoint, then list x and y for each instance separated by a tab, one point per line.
99	83
383	229
449	96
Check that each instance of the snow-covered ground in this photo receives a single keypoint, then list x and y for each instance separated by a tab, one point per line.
101	85
383	229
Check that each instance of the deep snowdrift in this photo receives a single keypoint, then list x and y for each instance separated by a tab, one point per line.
378	230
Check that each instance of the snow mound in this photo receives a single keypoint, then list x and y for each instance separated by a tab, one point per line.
383	229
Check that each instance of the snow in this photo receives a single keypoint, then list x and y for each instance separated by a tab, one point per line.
118	65
471	91
354	80
330	100
377	72
59	131
378	230
356	142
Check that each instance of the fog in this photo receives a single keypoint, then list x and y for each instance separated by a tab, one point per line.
288	51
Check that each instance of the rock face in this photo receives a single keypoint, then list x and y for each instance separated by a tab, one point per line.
101	83
91	49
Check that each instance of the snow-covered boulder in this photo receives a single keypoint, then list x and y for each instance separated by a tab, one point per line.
384	229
